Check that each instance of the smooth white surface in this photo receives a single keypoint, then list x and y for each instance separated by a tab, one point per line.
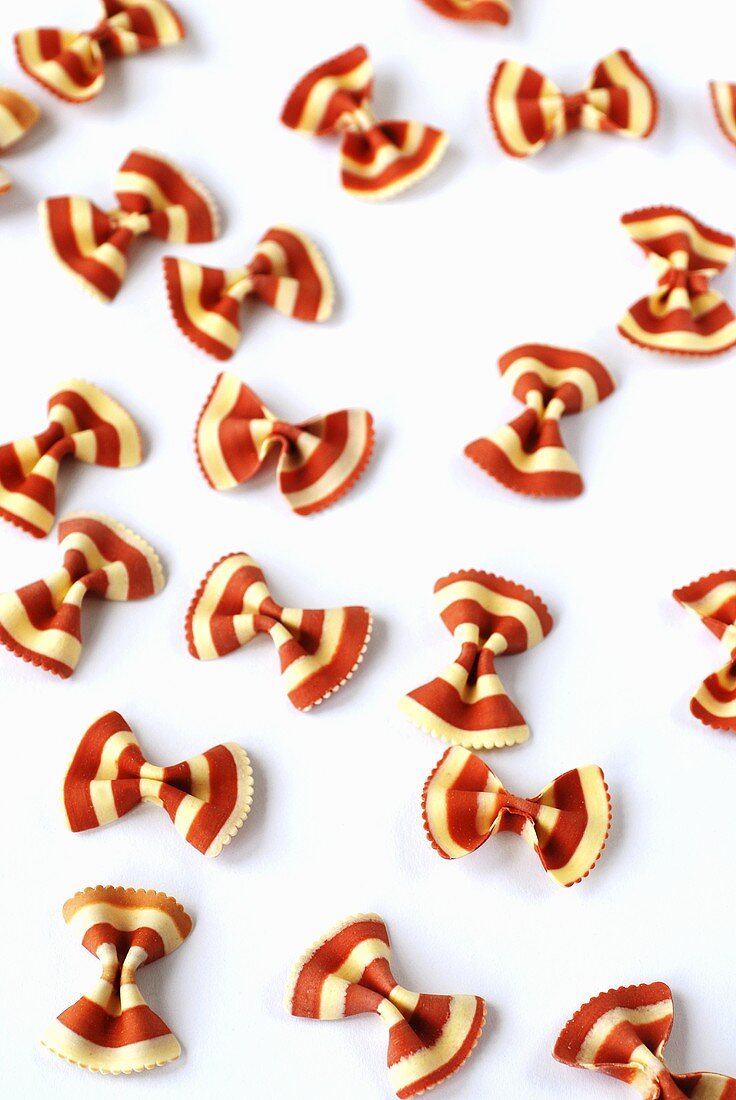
487	253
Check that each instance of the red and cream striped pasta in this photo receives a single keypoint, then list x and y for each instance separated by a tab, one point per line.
713	599
42	622
17	116
71	64
318	650
319	460
476	11
287	272
207	797
723	98
155	197
684	315
378	159
84	422
528	455
623	1034
348	972
112	1029
567	824
467	703
528	111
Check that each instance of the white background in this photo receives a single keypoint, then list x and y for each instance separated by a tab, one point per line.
433	287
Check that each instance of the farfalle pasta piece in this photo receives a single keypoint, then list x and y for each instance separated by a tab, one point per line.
684	315
528	110
155	197
567	823
112	1029
84	422
207	797
713	599
17	116
287	272
623	1034
378	159
473	11
71	64
723	98
319	460
42	622
467	704
318	650
528	455
348	972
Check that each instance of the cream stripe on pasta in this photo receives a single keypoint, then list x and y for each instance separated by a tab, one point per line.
309	664
362	955
209	447
61	1040
212	324
681	340
208	601
127	918
10	128
480	739
462	1014
582	379
485	687
323	90
336	474
49	641
81	224
580	862
28	509
493	602
713	599
386	155
545	458
599	1033
200	772
671	224
639	100
714	706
